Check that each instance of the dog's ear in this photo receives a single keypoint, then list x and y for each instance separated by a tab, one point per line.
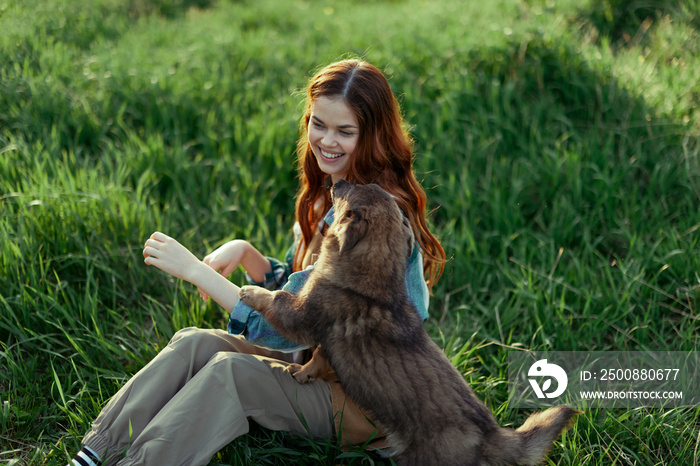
355	230
411	239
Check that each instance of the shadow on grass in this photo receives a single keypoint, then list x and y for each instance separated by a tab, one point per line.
625	21
548	139
165	8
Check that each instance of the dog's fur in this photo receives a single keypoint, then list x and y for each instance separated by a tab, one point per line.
355	305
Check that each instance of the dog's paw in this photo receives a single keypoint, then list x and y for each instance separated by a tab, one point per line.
293	368
302	374
245	294
252	295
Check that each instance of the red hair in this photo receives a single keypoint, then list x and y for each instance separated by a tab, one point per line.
383	155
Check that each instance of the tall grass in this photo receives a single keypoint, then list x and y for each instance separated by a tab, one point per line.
558	143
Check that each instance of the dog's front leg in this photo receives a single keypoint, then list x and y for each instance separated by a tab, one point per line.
281	309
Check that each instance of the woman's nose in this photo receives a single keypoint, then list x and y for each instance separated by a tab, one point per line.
328	139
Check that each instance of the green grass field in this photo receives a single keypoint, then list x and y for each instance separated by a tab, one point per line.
557	141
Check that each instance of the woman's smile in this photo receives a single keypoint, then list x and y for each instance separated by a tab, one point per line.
330	155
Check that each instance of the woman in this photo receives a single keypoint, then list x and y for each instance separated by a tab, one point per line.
199	393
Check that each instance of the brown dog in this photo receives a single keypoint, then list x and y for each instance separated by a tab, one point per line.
355	305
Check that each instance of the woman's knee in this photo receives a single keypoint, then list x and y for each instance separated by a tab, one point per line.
182	333
185	336
201	344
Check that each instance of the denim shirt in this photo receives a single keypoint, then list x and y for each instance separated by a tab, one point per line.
246	321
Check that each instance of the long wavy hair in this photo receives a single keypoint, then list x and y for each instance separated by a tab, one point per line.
383	155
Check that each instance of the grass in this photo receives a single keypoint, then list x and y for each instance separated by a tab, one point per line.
558	143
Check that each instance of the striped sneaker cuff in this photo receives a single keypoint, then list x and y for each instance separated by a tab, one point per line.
86	457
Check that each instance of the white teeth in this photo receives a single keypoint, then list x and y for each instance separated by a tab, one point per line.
330	156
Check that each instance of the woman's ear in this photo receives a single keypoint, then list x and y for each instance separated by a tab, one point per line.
352	234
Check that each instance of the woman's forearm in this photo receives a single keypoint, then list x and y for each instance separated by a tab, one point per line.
215	285
255	264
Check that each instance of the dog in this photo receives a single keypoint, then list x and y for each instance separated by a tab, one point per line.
355	305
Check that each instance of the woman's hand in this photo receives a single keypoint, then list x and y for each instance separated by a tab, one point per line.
171	257
226	258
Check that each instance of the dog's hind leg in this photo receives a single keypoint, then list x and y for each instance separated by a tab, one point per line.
317	367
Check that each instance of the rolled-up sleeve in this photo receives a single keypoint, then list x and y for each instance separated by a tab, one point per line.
275	278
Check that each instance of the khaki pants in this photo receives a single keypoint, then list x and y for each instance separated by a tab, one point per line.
196	396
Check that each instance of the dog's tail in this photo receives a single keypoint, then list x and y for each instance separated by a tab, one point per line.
529	443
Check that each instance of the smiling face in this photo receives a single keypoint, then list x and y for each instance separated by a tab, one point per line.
333	134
